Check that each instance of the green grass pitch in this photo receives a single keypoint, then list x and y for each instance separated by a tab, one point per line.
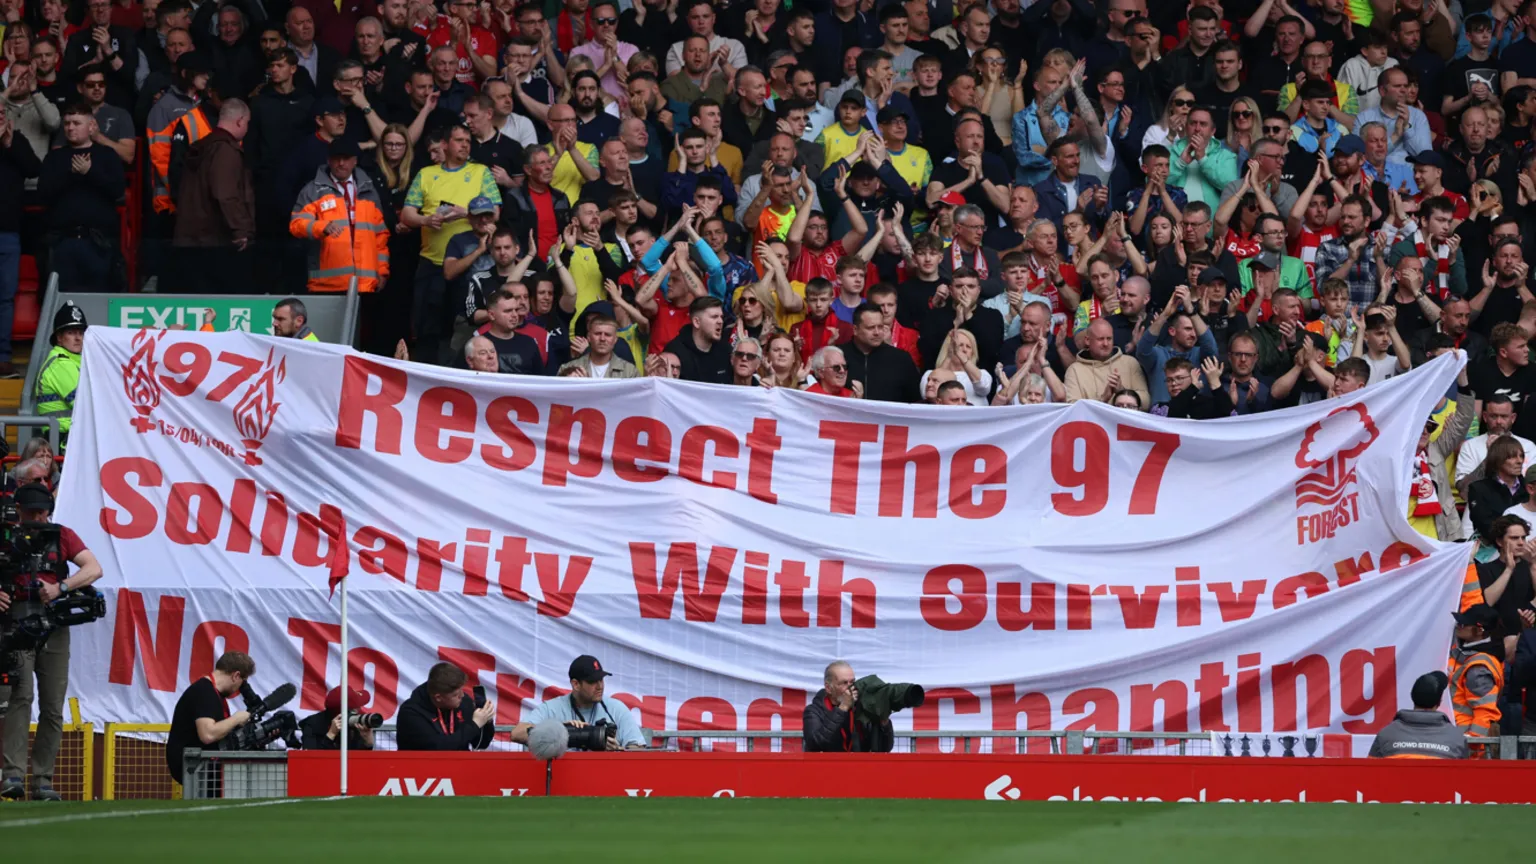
747	830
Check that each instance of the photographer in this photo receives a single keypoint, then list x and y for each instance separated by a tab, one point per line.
848	716
202	716
322	730
441	716
43	576
586	706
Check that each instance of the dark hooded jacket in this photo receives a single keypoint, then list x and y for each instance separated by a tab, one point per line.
216	202
830	729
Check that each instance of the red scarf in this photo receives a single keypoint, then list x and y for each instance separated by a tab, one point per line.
1442	256
1426	501
851	733
957	258
565	34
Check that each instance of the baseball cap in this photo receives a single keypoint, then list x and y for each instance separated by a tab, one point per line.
1212	275
1428	157
852	97
889	113
481	205
587	670
596	307
1428	689
953	199
343	148
33	496
1530	474
1349	145
1265	261
358	699
327	105
1482	614
863	171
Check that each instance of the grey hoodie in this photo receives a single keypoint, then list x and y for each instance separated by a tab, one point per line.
1420	734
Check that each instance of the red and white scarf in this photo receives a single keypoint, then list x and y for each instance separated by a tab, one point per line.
1442	258
1426	501
957	260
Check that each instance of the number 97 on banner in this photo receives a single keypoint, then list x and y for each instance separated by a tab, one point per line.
1080	465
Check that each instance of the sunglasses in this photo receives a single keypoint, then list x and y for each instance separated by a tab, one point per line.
839	367
602	21
1244	114
743	355
1273	129
1184	103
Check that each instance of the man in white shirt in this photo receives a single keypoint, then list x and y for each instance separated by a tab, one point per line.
1498	419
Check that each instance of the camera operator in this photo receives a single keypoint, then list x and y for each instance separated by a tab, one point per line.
441	716
48	662
585	705
202	716
322	730
848	716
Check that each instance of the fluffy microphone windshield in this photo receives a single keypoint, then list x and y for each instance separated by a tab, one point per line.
548	740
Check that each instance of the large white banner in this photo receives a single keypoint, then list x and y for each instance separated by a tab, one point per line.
1034	567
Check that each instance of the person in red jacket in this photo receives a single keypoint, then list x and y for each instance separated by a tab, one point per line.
820	327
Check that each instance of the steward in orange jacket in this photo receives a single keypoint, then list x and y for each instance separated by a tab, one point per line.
339	211
176	112
1477	674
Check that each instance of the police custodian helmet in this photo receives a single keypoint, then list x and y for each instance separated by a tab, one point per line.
69	316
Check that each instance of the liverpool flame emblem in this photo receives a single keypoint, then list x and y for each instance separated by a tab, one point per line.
255	410
140	381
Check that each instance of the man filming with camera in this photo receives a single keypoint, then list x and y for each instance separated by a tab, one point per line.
202	718
441	716
38	575
322	730
586	706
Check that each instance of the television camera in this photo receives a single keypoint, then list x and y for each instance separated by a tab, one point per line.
31	549
261	730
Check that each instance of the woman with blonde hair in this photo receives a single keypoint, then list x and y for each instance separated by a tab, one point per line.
957	356
1171	126
392	161
996	96
1243	124
755	308
393	168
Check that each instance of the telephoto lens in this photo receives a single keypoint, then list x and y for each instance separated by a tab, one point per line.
369	721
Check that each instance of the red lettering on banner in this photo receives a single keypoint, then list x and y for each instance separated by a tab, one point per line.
848	439
520	450
1173	696
559	593
638	438
386	678
1139	608
511	558
212	638
701	601
1209	687
973	467
938	590
1041	614
1149	480
895	457
754	588
1187	595
1381	680
830	588
789	710
511	690
1350	569
476	558
141	513
1311	584
210	512
690	462
131	635
762	442
1313	670
430	556
358	375
242	506
1239	605
1079	607
471	663
1036	708
1250	705
925	717
1092	478
1400	554
274	525
558	464
445	410
331	525
653	709
315	641
1104	716
722	715
390	556
792	581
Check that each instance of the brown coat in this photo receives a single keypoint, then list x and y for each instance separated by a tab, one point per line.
216	203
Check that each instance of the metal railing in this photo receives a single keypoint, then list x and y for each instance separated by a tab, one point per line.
235	774
32	421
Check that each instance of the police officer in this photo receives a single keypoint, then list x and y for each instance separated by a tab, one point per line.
290	320
1477	673
60	375
49	662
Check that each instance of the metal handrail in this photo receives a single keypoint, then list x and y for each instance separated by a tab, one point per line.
33	421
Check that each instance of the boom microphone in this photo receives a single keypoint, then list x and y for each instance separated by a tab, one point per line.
548	740
276	699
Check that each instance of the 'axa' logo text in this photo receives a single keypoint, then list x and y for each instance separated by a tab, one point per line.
431	787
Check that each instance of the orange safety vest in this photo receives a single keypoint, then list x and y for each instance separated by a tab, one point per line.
1471	589
1476	715
361	248
197	126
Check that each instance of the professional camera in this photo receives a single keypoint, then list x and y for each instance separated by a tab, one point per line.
367	721
261	730
27	626
593	737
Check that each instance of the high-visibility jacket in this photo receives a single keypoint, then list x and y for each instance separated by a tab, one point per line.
159	129
1476	679
362	249
1471	588
56	385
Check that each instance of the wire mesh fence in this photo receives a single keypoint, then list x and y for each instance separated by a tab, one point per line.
235	774
134	762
